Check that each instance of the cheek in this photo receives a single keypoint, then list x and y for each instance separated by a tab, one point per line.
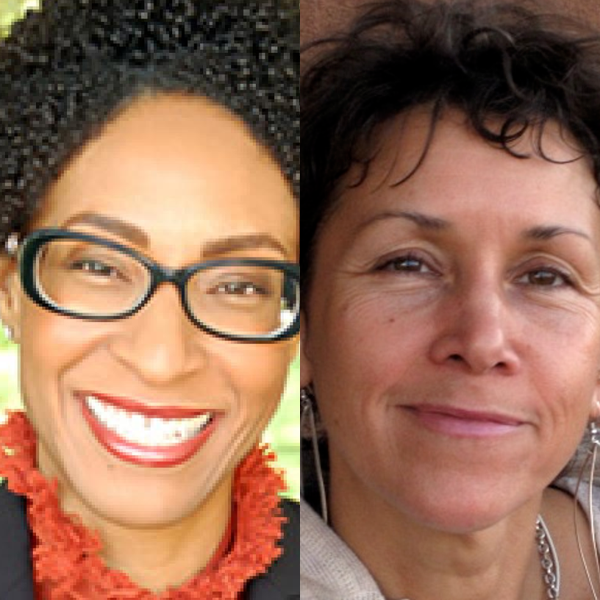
51	347
566	386
50	344
47	347
259	373
564	361
358	352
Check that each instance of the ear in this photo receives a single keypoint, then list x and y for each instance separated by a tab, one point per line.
305	362
10	296
595	405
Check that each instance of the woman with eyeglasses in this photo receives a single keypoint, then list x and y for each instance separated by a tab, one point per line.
148	177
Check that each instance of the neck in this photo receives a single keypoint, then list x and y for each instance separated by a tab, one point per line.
163	556
157	559
411	559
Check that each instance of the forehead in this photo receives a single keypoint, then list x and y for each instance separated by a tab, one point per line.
453	171
173	165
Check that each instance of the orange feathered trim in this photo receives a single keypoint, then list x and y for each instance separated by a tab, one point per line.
66	555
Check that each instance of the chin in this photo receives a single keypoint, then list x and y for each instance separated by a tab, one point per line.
145	506
113	492
459	512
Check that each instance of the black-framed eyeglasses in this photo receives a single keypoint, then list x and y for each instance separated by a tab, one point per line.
88	277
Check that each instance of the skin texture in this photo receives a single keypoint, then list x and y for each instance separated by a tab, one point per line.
320	18
471	287
185	172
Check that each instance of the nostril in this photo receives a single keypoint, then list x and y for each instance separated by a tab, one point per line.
456	357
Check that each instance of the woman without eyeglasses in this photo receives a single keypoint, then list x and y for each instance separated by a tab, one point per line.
451	328
148	156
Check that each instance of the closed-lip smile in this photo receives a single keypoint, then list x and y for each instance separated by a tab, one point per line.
460	422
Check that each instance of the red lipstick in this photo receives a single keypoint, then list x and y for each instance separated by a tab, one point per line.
142	455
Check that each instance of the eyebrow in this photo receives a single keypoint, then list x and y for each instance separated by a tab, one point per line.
211	248
420	219
547	232
236	243
540	232
125	230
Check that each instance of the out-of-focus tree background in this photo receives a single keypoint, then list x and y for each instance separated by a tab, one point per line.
284	432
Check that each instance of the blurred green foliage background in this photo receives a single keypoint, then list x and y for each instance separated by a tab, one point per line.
284	432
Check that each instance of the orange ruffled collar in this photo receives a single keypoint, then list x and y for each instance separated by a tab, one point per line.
66	555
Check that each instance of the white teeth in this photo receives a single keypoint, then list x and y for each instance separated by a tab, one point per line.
143	430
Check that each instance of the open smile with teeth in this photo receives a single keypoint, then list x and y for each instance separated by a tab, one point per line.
143	430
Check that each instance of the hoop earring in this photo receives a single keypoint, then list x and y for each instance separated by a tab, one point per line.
307	412
589	465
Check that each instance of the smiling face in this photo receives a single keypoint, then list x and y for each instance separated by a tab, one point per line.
452	331
179	180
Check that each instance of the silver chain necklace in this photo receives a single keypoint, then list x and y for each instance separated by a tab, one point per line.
548	559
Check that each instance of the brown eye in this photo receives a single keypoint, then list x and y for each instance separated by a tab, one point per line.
94	267
405	264
546	278
241	288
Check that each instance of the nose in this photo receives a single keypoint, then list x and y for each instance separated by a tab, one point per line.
475	330
159	342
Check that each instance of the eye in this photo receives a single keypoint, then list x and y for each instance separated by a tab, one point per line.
241	288
546	277
408	263
95	267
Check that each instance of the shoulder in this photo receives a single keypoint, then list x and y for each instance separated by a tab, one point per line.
282	580
329	568
16	580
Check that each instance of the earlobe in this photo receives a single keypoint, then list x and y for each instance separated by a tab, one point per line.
595	408
10	306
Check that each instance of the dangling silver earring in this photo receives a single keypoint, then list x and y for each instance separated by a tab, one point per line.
589	462
307	416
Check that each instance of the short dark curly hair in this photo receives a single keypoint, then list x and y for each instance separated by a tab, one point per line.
507	68
68	69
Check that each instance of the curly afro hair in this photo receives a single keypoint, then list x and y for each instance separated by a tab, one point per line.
68	69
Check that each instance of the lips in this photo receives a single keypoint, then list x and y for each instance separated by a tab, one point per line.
458	422
144	435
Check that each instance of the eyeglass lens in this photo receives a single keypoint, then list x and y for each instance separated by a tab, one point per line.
91	279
